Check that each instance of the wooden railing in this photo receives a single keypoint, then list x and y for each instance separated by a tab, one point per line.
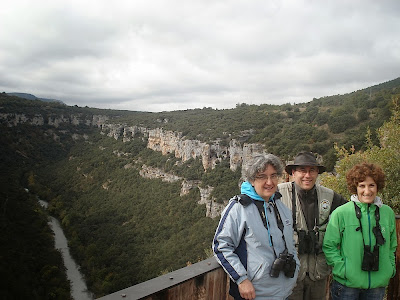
393	291
206	280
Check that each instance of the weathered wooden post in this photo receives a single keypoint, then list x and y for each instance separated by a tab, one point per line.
393	292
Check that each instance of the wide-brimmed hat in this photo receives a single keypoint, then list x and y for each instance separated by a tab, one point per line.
305	159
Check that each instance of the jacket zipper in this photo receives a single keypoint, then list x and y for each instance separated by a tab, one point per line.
369	235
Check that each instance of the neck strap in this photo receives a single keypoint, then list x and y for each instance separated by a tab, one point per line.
294	207
264	217
380	240
316	211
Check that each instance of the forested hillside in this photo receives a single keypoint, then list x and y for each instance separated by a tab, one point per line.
30	267
124	227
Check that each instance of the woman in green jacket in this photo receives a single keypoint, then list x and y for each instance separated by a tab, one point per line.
360	239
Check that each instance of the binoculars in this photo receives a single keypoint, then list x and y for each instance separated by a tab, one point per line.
371	259
308	242
286	263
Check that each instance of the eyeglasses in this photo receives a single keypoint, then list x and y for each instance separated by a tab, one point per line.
265	177
312	171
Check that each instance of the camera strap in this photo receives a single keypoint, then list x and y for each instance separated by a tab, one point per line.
280	224
294	208
380	240
263	214
278	217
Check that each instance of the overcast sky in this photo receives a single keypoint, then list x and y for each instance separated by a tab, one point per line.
162	55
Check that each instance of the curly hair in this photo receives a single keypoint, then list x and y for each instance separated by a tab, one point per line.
360	172
259	163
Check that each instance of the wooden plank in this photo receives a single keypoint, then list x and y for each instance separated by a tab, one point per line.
393	292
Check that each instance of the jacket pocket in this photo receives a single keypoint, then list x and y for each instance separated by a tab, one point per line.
255	267
339	269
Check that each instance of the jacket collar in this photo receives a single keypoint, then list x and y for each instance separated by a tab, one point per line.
378	201
248	190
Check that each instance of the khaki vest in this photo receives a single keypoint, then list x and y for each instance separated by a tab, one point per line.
314	264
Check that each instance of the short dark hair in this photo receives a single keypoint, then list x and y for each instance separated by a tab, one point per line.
361	171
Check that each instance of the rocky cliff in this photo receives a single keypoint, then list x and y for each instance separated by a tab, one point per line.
213	209
14	119
158	139
166	142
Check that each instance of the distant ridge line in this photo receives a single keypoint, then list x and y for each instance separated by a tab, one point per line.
33	97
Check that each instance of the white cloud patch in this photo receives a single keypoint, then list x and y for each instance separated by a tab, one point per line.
158	55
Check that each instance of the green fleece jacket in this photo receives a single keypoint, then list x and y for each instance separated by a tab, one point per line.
344	249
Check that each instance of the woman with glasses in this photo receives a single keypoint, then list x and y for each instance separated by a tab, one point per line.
254	239
360	239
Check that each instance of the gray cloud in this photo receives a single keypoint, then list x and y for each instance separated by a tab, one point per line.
159	55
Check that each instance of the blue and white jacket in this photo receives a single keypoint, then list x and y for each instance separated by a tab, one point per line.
243	245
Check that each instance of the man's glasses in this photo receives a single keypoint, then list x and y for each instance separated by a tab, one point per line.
312	171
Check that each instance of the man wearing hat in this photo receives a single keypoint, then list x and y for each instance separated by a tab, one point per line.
311	205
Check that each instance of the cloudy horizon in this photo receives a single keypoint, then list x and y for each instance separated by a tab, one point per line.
158	55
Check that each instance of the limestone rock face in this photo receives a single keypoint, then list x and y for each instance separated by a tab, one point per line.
213	209
130	132
13	119
163	141
166	142
97	121
187	185
171	142
152	173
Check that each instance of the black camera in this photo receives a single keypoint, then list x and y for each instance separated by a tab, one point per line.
286	263
307	242
371	259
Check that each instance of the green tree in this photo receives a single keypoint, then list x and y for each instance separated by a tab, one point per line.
386	155
341	120
363	114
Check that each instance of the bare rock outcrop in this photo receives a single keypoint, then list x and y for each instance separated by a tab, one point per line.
153	173
172	142
213	208
14	119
